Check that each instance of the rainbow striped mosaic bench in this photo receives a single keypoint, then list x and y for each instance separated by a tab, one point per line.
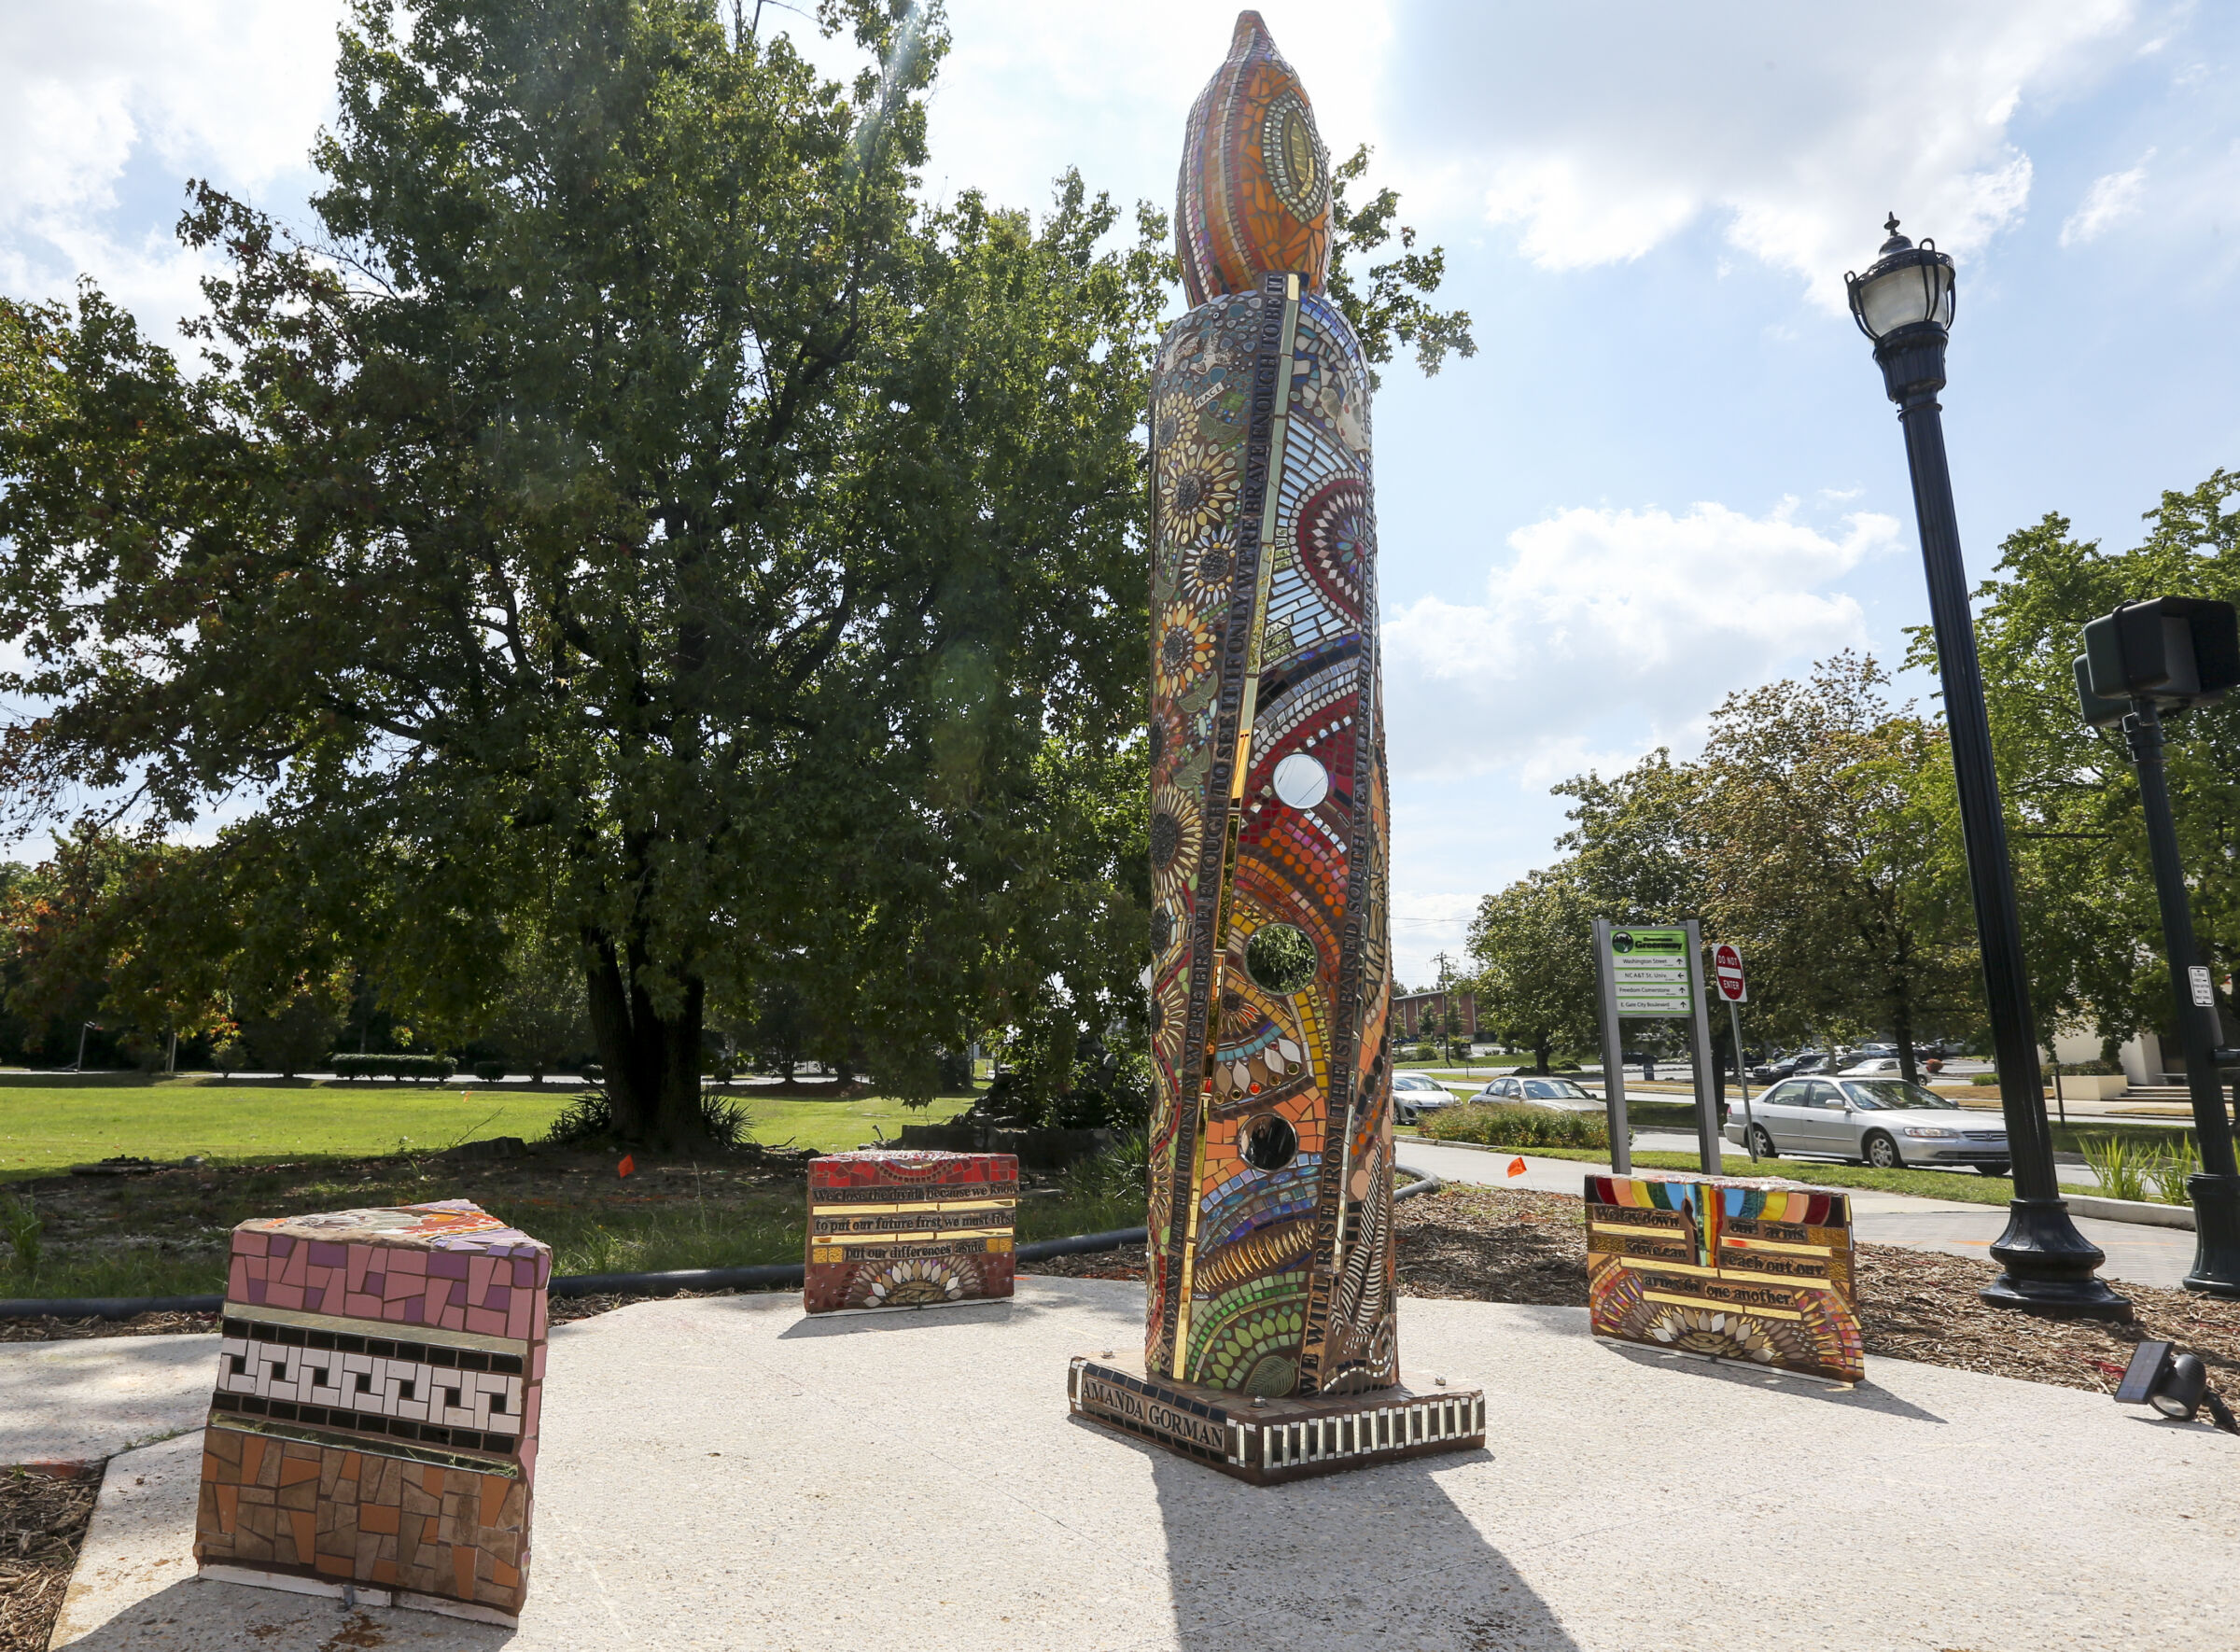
1756	1271
374	1426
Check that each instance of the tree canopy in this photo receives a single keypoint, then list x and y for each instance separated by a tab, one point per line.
630	535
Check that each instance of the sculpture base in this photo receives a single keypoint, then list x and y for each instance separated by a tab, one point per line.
1272	1441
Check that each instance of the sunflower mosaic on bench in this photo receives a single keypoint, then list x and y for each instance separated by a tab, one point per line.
910	1229
1758	1271
374	1428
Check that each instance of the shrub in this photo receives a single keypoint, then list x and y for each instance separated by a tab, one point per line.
585	1122
593	1073
1516	1127
588	1121
489	1071
394	1067
1121	1171
20	1225
2120	1168
2169	1172
1422	1052
225	1054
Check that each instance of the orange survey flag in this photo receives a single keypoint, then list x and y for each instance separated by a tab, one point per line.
1517	1166
629	1164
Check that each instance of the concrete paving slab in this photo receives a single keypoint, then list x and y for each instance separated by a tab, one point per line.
2140	1255
78	1401
726	1472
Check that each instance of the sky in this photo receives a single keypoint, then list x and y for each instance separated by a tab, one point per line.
1670	472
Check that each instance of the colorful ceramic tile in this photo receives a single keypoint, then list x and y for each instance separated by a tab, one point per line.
1758	1271
896	1230
1271	1187
375	1425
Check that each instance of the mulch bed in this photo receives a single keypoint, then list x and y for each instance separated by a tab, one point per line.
42	1521
1493	1244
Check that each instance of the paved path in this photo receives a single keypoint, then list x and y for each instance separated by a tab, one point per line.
723	1473
2143	1256
78	1401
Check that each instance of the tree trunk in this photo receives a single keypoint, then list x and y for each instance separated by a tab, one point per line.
1903	1032
652	1062
1540	1055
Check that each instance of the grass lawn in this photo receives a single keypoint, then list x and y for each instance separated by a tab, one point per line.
49	1123
164	1233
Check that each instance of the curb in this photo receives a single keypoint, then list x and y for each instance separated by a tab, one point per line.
2125	1210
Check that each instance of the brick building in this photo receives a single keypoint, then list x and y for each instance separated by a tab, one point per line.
1415	1015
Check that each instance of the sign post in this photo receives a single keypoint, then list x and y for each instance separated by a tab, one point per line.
1614	1053
1707	1093
1734	987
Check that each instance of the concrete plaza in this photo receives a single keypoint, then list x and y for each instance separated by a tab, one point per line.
726	1472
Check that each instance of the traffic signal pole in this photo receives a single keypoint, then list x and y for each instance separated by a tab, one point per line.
2215	1190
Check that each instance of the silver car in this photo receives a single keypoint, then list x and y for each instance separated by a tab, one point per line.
1415	1093
1884	1122
1556	1095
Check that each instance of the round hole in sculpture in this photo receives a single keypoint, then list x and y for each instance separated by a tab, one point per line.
1280	958
1301	781
1266	1142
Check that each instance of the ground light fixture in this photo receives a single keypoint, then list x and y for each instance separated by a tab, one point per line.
2146	662
1904	304
2176	1384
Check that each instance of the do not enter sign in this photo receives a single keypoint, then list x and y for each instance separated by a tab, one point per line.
1726	968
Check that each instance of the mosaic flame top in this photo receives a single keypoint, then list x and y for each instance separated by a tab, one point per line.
445	1224
1253	197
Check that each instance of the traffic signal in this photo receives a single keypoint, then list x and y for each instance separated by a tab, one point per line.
2179	651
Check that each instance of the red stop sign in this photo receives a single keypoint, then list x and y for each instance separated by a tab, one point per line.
1726	968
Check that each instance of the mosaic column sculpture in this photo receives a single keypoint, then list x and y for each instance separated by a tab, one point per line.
1271	1282
374	1426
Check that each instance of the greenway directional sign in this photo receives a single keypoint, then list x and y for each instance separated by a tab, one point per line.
1648	968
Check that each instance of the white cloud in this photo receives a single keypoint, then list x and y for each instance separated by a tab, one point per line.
1610	630
1601	131
1029	88
2112	199
229	90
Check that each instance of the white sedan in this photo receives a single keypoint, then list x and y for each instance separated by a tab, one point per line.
1884	1122
1415	1093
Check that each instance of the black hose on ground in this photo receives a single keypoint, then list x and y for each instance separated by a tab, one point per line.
768	1276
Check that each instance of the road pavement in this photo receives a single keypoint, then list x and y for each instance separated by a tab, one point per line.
2143	1256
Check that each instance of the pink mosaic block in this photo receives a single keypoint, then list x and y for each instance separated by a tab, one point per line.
410	1337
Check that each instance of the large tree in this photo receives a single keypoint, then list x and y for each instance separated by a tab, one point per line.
1829	862
1533	945
2090	926
629	506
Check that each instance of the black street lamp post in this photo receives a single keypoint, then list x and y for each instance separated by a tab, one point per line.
1904	304
2148	657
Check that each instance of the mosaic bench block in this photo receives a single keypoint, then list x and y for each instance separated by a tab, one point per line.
1758	1271
374	1425
909	1229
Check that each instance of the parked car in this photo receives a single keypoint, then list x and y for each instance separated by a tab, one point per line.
1415	1093
1874	1067
1884	1122
1556	1095
1790	1066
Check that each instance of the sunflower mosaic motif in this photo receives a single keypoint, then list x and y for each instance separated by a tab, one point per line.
1271	1129
1759	1272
